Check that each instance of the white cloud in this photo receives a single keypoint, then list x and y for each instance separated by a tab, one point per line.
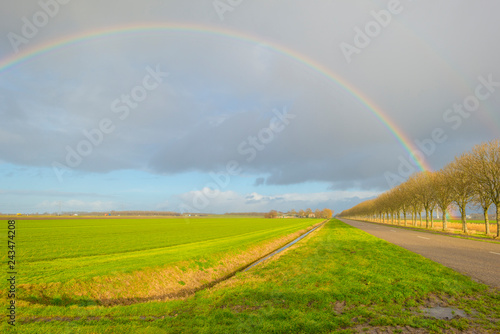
75	205
215	201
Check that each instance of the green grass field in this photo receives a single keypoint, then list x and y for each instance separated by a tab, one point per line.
338	279
60	250
91	260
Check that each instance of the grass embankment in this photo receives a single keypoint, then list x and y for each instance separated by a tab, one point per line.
339	279
84	262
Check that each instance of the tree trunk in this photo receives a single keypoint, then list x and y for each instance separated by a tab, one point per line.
404	216
426	218
420	217
498	220
464	219
432	217
486	220
443	211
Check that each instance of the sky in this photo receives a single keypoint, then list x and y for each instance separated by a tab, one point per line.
237	105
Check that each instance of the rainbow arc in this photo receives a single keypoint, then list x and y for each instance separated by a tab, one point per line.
369	105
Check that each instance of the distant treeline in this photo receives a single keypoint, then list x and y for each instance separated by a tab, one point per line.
144	213
308	213
255	214
117	213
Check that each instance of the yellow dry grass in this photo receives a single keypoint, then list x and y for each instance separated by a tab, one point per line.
474	228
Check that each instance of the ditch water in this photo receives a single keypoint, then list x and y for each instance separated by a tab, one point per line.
291	243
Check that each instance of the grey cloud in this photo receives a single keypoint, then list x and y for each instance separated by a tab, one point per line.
222	90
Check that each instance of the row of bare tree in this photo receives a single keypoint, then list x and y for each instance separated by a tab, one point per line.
472	179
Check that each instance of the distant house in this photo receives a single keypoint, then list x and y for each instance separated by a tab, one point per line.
311	215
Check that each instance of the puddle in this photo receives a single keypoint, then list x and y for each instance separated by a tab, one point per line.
444	313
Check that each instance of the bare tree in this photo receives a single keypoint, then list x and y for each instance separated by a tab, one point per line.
483	200
308	212
425	193
404	200
484	165
271	214
415	204
444	197
461	186
391	205
326	213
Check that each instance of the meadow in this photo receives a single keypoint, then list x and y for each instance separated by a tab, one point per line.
338	279
109	261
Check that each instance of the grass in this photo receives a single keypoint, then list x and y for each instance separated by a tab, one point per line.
338	279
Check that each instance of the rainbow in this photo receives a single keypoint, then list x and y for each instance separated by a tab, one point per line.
396	132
